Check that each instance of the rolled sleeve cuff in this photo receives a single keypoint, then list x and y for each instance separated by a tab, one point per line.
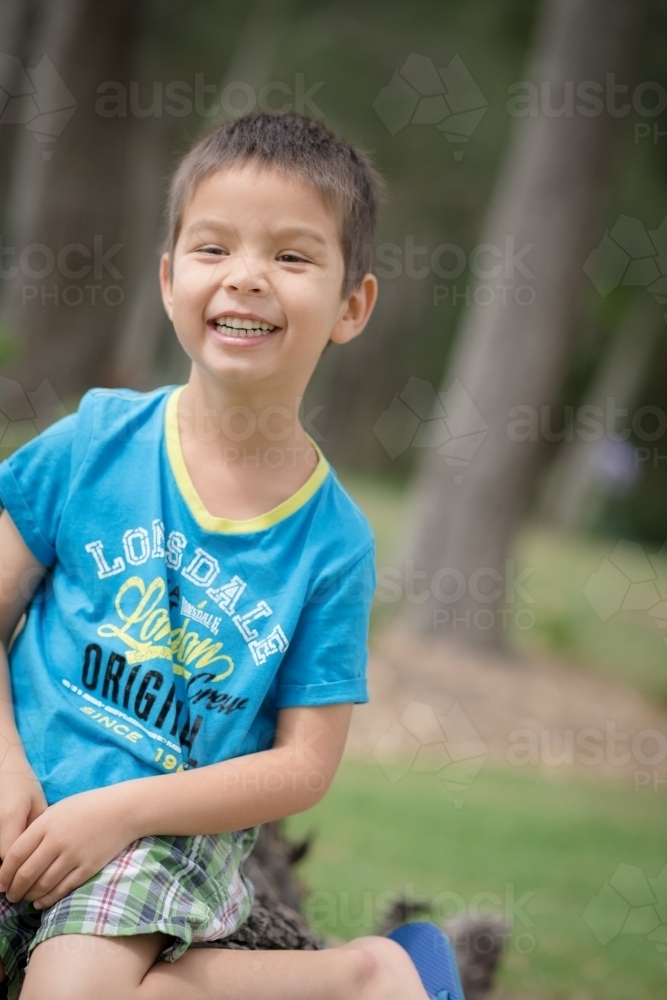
332	693
12	499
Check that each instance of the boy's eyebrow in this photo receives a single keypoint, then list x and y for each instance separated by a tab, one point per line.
206	224
302	231
219	224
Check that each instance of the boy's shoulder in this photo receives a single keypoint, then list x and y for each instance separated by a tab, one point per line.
122	400
346	527
116	414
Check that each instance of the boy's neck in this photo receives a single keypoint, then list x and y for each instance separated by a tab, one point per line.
246	451
258	418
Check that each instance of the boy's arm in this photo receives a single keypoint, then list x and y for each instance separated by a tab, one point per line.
77	836
244	791
21	796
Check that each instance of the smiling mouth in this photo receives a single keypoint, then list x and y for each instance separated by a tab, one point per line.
242	329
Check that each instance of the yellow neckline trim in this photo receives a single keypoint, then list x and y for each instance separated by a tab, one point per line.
201	515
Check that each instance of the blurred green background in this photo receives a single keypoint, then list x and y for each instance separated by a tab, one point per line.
88	145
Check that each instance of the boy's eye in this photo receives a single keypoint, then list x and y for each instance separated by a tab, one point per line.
292	258
212	250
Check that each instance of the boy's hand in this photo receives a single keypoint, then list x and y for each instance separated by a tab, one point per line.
21	802
64	846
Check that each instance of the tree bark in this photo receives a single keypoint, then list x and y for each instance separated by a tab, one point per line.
463	515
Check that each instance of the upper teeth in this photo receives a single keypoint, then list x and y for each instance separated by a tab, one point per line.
250	327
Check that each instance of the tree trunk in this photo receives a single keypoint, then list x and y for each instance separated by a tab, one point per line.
470	492
66	207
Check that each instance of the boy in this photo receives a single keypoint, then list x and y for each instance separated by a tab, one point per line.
198	586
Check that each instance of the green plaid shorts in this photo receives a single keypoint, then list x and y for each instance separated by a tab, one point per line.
191	888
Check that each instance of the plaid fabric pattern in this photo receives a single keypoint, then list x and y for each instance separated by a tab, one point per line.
191	888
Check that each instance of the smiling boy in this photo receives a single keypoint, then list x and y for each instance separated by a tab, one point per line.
197	586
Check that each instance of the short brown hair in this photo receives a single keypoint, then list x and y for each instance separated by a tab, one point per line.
340	172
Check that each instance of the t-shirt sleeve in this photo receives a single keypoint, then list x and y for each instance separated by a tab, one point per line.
325	662
34	485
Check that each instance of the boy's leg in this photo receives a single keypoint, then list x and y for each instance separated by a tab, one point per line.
369	968
85	966
114	968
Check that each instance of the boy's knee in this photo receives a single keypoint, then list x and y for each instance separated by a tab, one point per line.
374	957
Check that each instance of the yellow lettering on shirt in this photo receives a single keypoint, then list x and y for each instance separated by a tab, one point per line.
146	622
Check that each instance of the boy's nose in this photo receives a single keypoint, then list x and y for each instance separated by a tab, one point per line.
248	277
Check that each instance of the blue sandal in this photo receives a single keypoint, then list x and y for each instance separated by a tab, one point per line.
433	955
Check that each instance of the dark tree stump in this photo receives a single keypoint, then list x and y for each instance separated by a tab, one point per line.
276	921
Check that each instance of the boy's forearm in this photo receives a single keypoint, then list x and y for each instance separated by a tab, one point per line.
13	757
242	791
231	795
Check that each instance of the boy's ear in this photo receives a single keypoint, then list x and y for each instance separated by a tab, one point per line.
165	284
356	310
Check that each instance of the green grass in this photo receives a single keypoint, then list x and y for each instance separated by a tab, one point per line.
515	834
559	841
628	645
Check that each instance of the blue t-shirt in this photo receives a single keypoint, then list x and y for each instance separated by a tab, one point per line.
163	637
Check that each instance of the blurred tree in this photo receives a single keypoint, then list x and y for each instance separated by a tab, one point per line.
251	60
16	17
516	353
65	217
574	489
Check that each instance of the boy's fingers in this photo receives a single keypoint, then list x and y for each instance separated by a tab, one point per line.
48	880
27	871
21	848
10	831
71	882
39	805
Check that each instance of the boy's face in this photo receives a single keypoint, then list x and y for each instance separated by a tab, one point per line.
260	246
